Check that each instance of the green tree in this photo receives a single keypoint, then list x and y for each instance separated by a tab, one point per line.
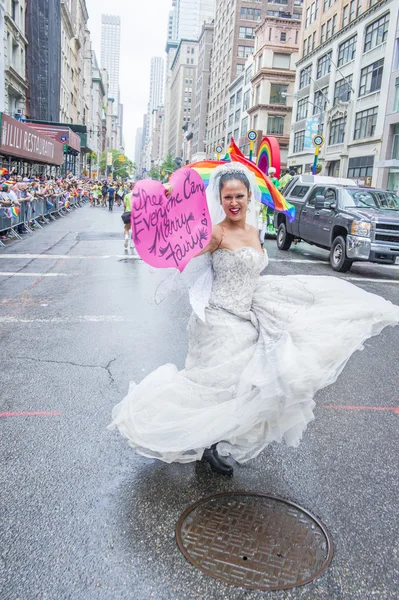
168	166
124	169
155	173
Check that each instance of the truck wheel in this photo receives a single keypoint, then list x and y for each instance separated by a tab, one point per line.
338	259
284	239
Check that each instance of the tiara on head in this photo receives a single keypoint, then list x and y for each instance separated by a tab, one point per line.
234	169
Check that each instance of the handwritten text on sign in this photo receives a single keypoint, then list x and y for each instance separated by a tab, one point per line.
169	232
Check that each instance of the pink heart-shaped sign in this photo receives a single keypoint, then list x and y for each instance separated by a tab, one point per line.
169	232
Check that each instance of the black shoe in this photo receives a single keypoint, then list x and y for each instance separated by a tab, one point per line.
216	463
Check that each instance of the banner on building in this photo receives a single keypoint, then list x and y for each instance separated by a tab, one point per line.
109	159
311	128
19	140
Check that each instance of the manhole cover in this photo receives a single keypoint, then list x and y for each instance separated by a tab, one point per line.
254	541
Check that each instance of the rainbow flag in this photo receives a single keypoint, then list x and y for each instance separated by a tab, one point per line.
14	211
270	195
204	169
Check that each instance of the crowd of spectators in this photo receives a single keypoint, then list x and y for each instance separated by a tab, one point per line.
17	191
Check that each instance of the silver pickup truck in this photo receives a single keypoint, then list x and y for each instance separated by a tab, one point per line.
355	224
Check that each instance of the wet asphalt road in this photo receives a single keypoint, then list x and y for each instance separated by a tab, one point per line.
82	516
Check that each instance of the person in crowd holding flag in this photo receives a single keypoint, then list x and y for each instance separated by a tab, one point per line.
259	348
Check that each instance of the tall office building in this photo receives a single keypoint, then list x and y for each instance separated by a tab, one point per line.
234	40
156	83
110	54
192	16
187	18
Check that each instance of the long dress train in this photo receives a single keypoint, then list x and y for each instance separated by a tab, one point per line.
267	345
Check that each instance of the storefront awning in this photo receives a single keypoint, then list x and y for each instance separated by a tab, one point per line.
61	133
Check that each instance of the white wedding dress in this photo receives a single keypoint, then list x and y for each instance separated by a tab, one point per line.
267	345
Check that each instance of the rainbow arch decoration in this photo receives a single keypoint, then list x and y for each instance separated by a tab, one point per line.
269	155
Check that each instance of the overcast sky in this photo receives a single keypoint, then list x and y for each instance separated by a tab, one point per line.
144	26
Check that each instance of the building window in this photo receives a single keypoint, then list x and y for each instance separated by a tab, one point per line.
305	76
231	120
238	114
343	89
276	93
281	61
328	30
238	96
250	14
232	101
352	10
371	77
328	4
376	33
283	36
302	108
248	75
257	94
347	51
275	125
313	40
395	144
361	167
320	101
323	65
256	122
323	33
365	123
299	141
345	15
236	134
334	24
337	131
246	100
246	33
244	127
245	51
239	69
396	97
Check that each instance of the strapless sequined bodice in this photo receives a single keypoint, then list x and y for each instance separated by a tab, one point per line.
236	274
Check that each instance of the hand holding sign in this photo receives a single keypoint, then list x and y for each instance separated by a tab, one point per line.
170	231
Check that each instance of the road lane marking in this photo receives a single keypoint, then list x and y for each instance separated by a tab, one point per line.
20	274
72	320
69	256
40	413
361	279
375	408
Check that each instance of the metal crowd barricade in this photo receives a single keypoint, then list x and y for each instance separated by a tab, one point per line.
38	212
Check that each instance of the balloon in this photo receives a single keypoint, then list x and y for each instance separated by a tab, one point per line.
170	231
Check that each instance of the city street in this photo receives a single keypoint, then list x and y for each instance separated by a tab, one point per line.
82	516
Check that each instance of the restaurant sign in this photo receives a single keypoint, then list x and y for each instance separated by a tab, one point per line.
21	141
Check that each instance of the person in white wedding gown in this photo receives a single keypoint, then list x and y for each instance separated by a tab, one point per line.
260	347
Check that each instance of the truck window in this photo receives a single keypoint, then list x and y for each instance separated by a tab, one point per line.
317	191
330	195
299	191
